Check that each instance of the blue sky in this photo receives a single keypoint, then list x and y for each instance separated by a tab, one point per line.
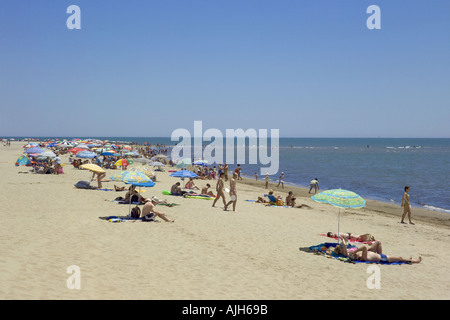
146	68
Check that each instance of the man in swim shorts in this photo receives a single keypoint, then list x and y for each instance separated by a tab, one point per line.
148	212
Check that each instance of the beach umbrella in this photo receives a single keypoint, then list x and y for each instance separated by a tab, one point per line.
34	150
342	199
51	145
108	153
46	154
122	162
76	150
142	169
92	167
184	174
135	177
157	164
200	163
87	154
23	161
118	176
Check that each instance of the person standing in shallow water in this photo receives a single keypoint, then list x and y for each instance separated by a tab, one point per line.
406	206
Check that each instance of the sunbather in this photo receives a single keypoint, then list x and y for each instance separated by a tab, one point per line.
373	253
148	212
205	190
191	185
367	237
133	195
119	188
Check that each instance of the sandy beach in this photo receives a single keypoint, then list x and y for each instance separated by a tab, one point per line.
208	253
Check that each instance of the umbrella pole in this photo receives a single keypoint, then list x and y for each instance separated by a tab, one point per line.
339	223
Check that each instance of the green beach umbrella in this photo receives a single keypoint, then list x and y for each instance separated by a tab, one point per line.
340	198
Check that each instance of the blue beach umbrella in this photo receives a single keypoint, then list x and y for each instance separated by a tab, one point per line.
34	150
184	174
87	154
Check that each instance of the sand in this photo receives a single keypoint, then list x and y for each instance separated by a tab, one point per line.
207	253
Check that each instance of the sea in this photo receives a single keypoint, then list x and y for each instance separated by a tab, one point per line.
374	168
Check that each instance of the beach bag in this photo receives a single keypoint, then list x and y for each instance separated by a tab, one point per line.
135	212
83	185
279	202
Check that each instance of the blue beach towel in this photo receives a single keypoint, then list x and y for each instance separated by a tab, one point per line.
125	219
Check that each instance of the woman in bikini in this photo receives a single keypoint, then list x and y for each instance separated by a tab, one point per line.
220	190
367	237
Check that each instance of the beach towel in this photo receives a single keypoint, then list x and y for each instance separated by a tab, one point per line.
199	197
319	249
116	219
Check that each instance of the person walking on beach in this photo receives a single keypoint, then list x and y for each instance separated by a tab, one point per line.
220	191
238	172
266	179
233	193
314	184
225	171
406	205
281	181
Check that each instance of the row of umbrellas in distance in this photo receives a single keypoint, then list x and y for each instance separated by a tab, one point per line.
82	150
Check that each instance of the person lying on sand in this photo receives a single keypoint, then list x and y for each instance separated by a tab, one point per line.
119	188
355	237
261	200
373	253
148	212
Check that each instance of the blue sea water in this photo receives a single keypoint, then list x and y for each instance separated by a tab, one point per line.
375	168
